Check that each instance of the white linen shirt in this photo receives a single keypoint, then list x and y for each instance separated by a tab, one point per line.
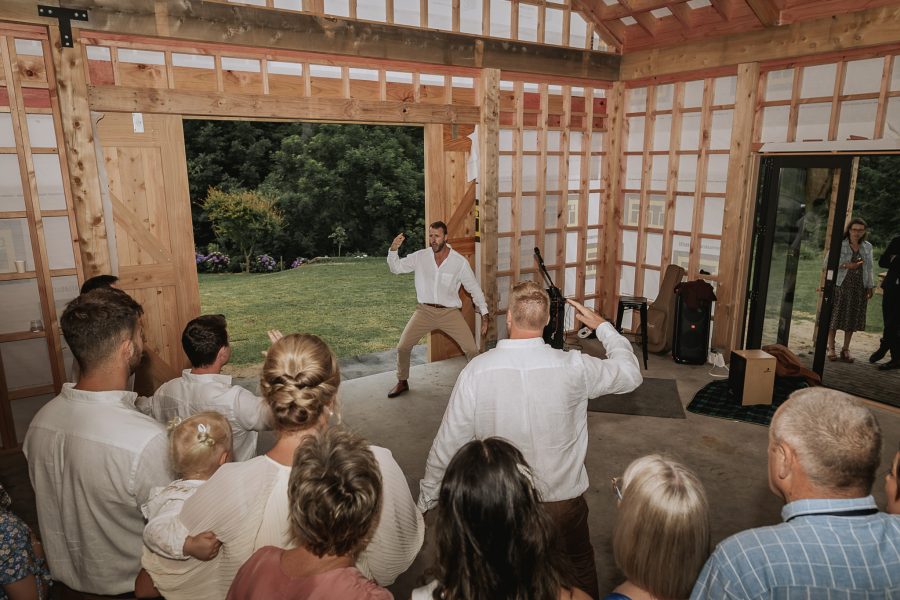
246	506
93	460
536	397
190	394
439	285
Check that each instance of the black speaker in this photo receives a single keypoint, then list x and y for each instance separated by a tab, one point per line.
690	340
554	332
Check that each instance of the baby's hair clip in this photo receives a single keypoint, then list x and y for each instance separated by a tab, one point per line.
203	435
173	423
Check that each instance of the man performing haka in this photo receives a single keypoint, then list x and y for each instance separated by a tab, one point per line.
439	273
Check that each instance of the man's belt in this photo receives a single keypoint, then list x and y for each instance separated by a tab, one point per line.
435	305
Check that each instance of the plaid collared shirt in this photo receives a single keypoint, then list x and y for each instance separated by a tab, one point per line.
825	549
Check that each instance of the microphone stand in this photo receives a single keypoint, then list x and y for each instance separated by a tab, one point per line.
554	332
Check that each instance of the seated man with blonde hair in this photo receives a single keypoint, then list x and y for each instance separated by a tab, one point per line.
536	397
824	449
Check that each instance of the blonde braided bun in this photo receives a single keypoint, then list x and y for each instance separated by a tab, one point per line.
300	379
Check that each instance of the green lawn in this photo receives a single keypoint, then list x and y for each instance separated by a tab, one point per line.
809	272
356	305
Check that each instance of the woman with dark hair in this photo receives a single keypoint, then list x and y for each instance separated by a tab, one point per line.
494	539
854	286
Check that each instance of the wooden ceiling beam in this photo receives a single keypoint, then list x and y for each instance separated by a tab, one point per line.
765	10
232	24
862	29
588	9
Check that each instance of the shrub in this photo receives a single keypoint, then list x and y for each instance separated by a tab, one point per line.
264	264
297	262
216	262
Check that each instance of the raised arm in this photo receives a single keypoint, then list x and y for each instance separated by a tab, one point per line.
399	265
620	372
251	412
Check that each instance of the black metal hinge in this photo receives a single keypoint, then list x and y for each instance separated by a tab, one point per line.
65	16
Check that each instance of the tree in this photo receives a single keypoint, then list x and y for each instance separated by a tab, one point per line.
339	237
367	179
228	155
242	220
876	197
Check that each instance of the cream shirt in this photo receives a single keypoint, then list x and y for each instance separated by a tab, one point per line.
246	506
190	394
439	285
536	397
93	460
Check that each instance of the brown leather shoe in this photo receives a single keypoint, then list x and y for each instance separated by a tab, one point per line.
401	387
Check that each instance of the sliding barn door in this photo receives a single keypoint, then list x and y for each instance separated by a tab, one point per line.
450	197
146	180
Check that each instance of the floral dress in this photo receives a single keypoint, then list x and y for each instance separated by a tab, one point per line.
849	312
17	558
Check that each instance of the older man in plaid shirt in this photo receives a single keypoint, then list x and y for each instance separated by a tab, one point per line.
824	449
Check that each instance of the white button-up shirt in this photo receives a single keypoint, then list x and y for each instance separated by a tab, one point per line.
536	397
93	460
190	394
439	285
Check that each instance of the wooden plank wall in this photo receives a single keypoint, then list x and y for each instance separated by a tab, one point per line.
37	225
551	151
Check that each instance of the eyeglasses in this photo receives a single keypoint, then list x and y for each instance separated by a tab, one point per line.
616	489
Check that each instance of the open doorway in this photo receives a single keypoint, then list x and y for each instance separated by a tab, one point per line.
805	206
338	195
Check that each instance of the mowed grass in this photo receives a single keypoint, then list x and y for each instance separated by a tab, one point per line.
356	305
809	273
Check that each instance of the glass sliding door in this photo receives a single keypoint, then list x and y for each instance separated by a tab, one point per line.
796	240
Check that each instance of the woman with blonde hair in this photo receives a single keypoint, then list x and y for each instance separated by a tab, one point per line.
661	539
335	499
246	504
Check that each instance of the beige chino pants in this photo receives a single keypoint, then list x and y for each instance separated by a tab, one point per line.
427	319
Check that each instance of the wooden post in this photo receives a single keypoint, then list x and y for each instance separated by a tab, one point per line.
740	197
488	165
612	192
84	177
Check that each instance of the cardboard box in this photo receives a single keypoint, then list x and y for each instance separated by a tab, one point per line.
751	376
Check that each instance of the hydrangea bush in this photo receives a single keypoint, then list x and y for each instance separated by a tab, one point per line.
214	262
264	264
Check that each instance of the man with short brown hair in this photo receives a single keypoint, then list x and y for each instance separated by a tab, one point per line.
92	457
440	271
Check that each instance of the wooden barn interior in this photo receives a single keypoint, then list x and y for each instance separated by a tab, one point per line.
619	136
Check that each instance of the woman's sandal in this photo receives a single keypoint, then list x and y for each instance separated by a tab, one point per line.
831	355
845	356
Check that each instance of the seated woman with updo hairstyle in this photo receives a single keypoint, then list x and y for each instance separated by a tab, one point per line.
493	538
661	538
246	504
335	498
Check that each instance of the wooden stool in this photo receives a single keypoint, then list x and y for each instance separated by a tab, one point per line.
640	303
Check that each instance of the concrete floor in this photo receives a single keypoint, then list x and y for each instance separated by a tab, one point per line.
729	457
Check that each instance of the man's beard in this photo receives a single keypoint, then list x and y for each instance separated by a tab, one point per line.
438	247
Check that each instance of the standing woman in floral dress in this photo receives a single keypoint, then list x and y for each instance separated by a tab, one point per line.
853	288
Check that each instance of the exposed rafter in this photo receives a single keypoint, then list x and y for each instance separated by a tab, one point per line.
588	9
843	32
766	11
259	27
